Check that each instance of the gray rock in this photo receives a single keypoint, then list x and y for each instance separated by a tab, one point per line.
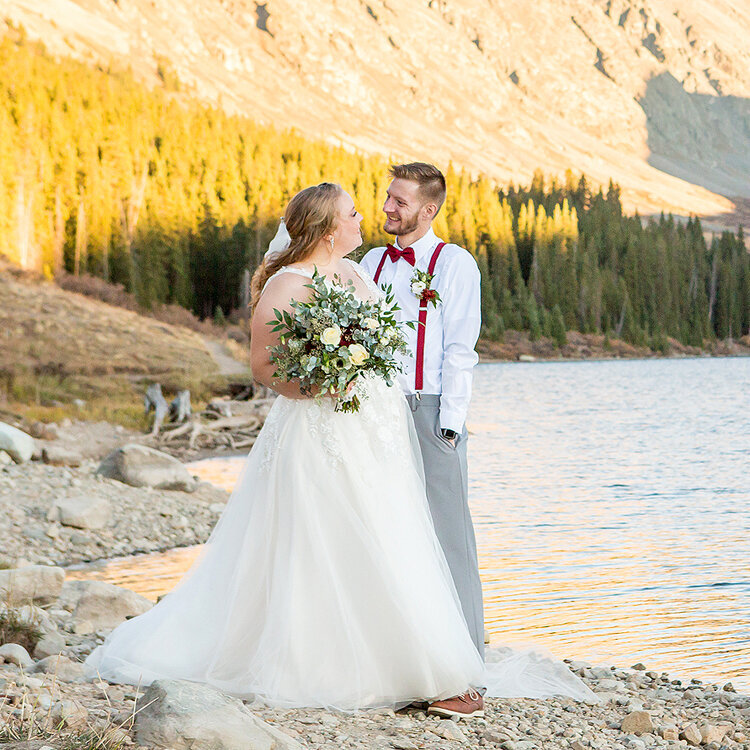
34	532
141	466
182	715
12	653
63	668
97	605
402	743
637	722
711	733
5	460
36	617
72	713
607	685
32	683
449	730
18	445
44	431
34	583
82	512
49	645
493	735
55	455
691	734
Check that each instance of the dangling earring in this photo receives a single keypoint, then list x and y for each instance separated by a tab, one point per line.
331	244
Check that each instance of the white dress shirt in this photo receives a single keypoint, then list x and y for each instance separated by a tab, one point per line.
452	328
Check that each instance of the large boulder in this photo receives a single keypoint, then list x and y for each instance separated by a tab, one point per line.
34	583
17	444
96	605
141	466
81	512
182	715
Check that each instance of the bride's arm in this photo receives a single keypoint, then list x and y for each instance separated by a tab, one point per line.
277	295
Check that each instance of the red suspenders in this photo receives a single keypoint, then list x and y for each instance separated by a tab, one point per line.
419	376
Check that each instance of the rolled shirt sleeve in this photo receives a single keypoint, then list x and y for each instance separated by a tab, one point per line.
462	318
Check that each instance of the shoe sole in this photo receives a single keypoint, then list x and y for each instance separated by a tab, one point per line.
446	714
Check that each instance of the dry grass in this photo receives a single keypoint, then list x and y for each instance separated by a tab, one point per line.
16	629
58	348
116	296
25	723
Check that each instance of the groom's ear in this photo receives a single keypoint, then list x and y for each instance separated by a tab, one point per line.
429	210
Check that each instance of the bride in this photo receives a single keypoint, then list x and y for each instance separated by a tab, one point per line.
323	583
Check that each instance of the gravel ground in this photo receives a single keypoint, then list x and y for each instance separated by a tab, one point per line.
142	519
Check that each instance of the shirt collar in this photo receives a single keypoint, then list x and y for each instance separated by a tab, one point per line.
423	245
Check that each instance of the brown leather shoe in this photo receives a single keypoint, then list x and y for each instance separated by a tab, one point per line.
464	706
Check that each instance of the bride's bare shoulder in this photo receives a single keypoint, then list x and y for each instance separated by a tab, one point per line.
282	288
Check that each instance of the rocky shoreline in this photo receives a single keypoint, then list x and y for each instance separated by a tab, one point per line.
38	500
65	510
45	697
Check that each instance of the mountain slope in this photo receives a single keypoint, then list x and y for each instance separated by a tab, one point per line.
653	93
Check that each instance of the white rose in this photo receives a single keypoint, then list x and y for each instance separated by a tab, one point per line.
418	287
331	335
358	354
370	323
385	340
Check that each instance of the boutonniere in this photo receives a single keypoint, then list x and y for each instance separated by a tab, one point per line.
420	287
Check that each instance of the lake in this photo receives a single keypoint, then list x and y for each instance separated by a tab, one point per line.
612	508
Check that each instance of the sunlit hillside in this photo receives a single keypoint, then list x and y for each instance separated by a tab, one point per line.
652	93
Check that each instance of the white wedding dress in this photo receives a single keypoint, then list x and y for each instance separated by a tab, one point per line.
323	583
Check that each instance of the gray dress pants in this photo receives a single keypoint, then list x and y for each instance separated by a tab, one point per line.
447	479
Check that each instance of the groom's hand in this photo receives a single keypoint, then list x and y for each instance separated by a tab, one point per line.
449	435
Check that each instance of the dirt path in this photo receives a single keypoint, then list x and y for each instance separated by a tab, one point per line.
228	365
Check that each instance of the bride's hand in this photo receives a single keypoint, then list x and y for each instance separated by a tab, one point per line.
342	395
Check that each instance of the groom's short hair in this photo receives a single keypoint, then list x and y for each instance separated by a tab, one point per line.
429	178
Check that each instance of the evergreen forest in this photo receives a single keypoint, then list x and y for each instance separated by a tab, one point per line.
173	199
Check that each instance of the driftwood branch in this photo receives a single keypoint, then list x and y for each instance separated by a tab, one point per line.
156	401
223	424
179	409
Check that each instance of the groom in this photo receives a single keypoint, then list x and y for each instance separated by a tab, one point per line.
445	300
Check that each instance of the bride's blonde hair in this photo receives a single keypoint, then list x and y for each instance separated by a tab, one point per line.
310	216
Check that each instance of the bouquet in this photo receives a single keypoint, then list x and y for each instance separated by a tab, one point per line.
334	337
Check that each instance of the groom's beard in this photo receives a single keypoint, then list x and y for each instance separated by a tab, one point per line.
405	225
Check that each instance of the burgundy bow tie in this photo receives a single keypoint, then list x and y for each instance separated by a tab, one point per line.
407	254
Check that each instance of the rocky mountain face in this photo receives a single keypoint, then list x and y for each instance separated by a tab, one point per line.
652	93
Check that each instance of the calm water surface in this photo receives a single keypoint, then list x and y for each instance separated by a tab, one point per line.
612	508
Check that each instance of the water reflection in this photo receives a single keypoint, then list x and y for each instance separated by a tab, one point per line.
611	504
